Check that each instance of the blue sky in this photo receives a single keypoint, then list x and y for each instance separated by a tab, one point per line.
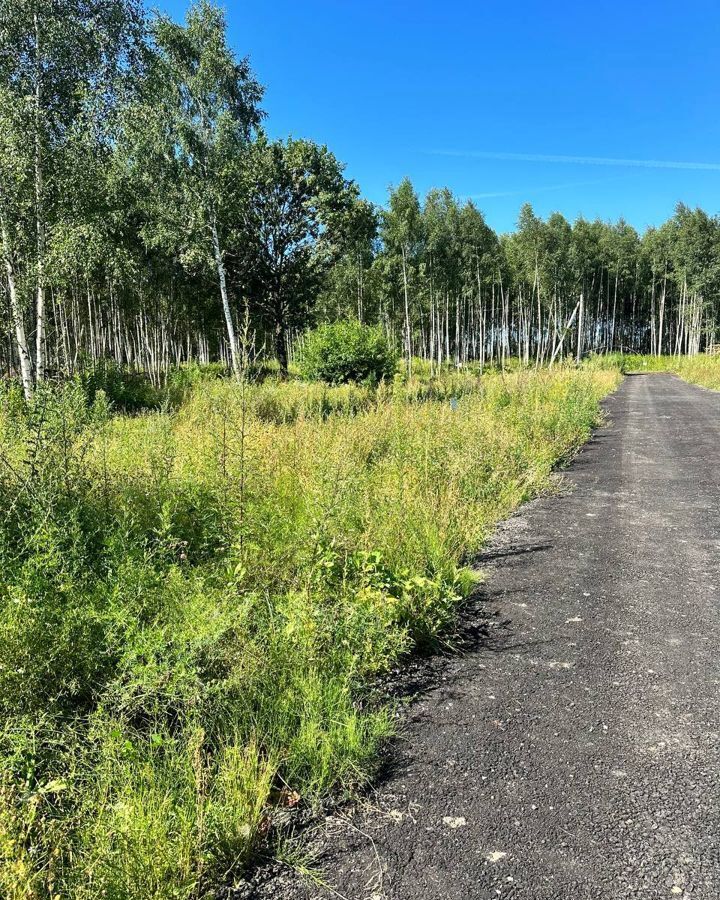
548	102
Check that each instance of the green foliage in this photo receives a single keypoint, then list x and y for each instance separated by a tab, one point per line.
130	391
139	189
299	215
61	71
193	603
126	390
186	134
347	351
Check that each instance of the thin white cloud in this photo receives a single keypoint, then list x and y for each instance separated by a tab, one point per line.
567	185
493	194
581	160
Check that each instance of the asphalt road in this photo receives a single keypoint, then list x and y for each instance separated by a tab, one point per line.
574	753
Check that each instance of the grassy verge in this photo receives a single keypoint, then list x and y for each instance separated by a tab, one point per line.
701	369
193	602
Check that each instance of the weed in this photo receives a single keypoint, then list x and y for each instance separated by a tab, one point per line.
194	601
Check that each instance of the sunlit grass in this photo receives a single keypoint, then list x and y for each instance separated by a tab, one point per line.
194	602
702	369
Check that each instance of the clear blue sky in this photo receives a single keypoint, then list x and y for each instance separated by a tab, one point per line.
477	96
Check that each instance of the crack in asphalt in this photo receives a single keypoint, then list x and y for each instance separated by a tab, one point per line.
578	757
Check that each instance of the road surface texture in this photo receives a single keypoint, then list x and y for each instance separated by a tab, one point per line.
575	754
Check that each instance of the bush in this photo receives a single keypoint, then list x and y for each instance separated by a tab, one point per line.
125	389
347	351
129	391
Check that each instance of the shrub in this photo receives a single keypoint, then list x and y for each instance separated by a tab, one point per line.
125	389
347	351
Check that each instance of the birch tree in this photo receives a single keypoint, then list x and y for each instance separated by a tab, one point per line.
402	232
186	142
60	67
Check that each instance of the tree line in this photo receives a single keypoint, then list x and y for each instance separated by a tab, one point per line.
455	291
146	217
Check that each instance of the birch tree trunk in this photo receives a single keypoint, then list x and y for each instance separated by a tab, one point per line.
39	211
222	279
653	336
408	336
23	352
581	315
661	313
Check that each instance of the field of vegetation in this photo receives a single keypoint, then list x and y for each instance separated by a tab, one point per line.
202	577
195	599
702	369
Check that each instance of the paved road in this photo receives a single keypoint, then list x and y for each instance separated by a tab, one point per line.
576	756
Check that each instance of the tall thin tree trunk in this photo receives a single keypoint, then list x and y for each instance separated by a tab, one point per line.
492	320
281	342
26	373
481	314
653	335
447	326
614	312
227	312
661	313
581	316
39	211
360	286
408	334
539	313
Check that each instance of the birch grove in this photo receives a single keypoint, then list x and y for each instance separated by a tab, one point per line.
144	214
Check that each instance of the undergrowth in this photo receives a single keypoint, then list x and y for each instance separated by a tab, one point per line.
193	602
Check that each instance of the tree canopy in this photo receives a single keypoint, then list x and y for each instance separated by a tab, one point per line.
145	212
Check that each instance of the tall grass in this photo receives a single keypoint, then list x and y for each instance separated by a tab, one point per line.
193	603
703	369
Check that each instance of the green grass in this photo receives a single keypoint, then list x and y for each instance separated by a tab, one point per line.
195	602
702	369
